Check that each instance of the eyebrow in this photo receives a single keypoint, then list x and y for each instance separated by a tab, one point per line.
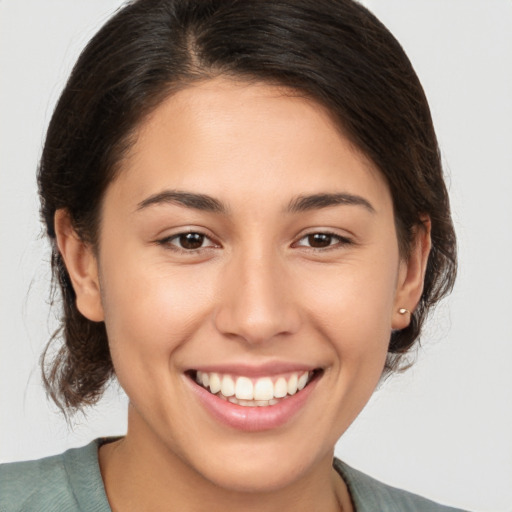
201	202
208	203
318	201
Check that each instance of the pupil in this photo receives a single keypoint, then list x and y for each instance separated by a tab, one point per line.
191	240
319	240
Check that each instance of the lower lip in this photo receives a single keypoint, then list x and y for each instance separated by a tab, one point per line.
253	419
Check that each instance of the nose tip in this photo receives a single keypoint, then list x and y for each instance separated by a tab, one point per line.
255	328
257	304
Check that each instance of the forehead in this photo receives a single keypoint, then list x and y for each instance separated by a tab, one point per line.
223	138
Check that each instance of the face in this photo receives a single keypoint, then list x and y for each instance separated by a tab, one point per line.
247	245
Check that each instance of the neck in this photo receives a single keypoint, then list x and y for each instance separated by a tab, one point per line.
141	473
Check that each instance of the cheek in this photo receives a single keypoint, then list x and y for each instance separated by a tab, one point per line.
353	307
352	295
150	312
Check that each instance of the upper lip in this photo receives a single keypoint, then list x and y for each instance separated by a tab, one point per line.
255	370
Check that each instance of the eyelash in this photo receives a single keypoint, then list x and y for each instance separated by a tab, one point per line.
340	241
168	242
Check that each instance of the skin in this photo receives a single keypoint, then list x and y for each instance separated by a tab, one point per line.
255	292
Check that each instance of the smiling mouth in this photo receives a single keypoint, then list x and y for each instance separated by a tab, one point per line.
254	392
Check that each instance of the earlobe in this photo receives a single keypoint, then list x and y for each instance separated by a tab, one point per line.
82	267
411	276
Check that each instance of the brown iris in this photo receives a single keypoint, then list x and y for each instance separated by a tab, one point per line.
319	240
191	240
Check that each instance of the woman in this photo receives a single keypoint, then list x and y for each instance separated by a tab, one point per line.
250	224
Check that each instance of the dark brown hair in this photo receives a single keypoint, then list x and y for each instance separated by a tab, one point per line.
333	51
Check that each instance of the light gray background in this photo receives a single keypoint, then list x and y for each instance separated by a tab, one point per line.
444	429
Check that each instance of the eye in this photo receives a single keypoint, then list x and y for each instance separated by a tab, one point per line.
190	241
322	240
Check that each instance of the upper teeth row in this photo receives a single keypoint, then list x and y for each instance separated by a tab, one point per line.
245	388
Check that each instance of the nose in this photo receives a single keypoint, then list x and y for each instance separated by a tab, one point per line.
256	301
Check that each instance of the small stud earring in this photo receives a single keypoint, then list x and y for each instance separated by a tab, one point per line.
403	311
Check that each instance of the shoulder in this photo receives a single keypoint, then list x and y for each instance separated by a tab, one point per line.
370	495
60	482
38	483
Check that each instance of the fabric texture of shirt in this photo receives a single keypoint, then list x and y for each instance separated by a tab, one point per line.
71	482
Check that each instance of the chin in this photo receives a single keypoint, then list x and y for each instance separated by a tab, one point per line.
256	475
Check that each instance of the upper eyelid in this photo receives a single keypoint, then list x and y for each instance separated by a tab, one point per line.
326	231
168	239
343	238
184	230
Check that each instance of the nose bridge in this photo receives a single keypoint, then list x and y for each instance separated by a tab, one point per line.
256	299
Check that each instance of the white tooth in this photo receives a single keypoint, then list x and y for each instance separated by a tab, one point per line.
280	388
273	401
292	384
261	403
215	384
246	403
228	386
303	380
198	377
205	379
244	388
263	389
233	400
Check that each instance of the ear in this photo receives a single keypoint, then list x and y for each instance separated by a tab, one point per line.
82	267
411	275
